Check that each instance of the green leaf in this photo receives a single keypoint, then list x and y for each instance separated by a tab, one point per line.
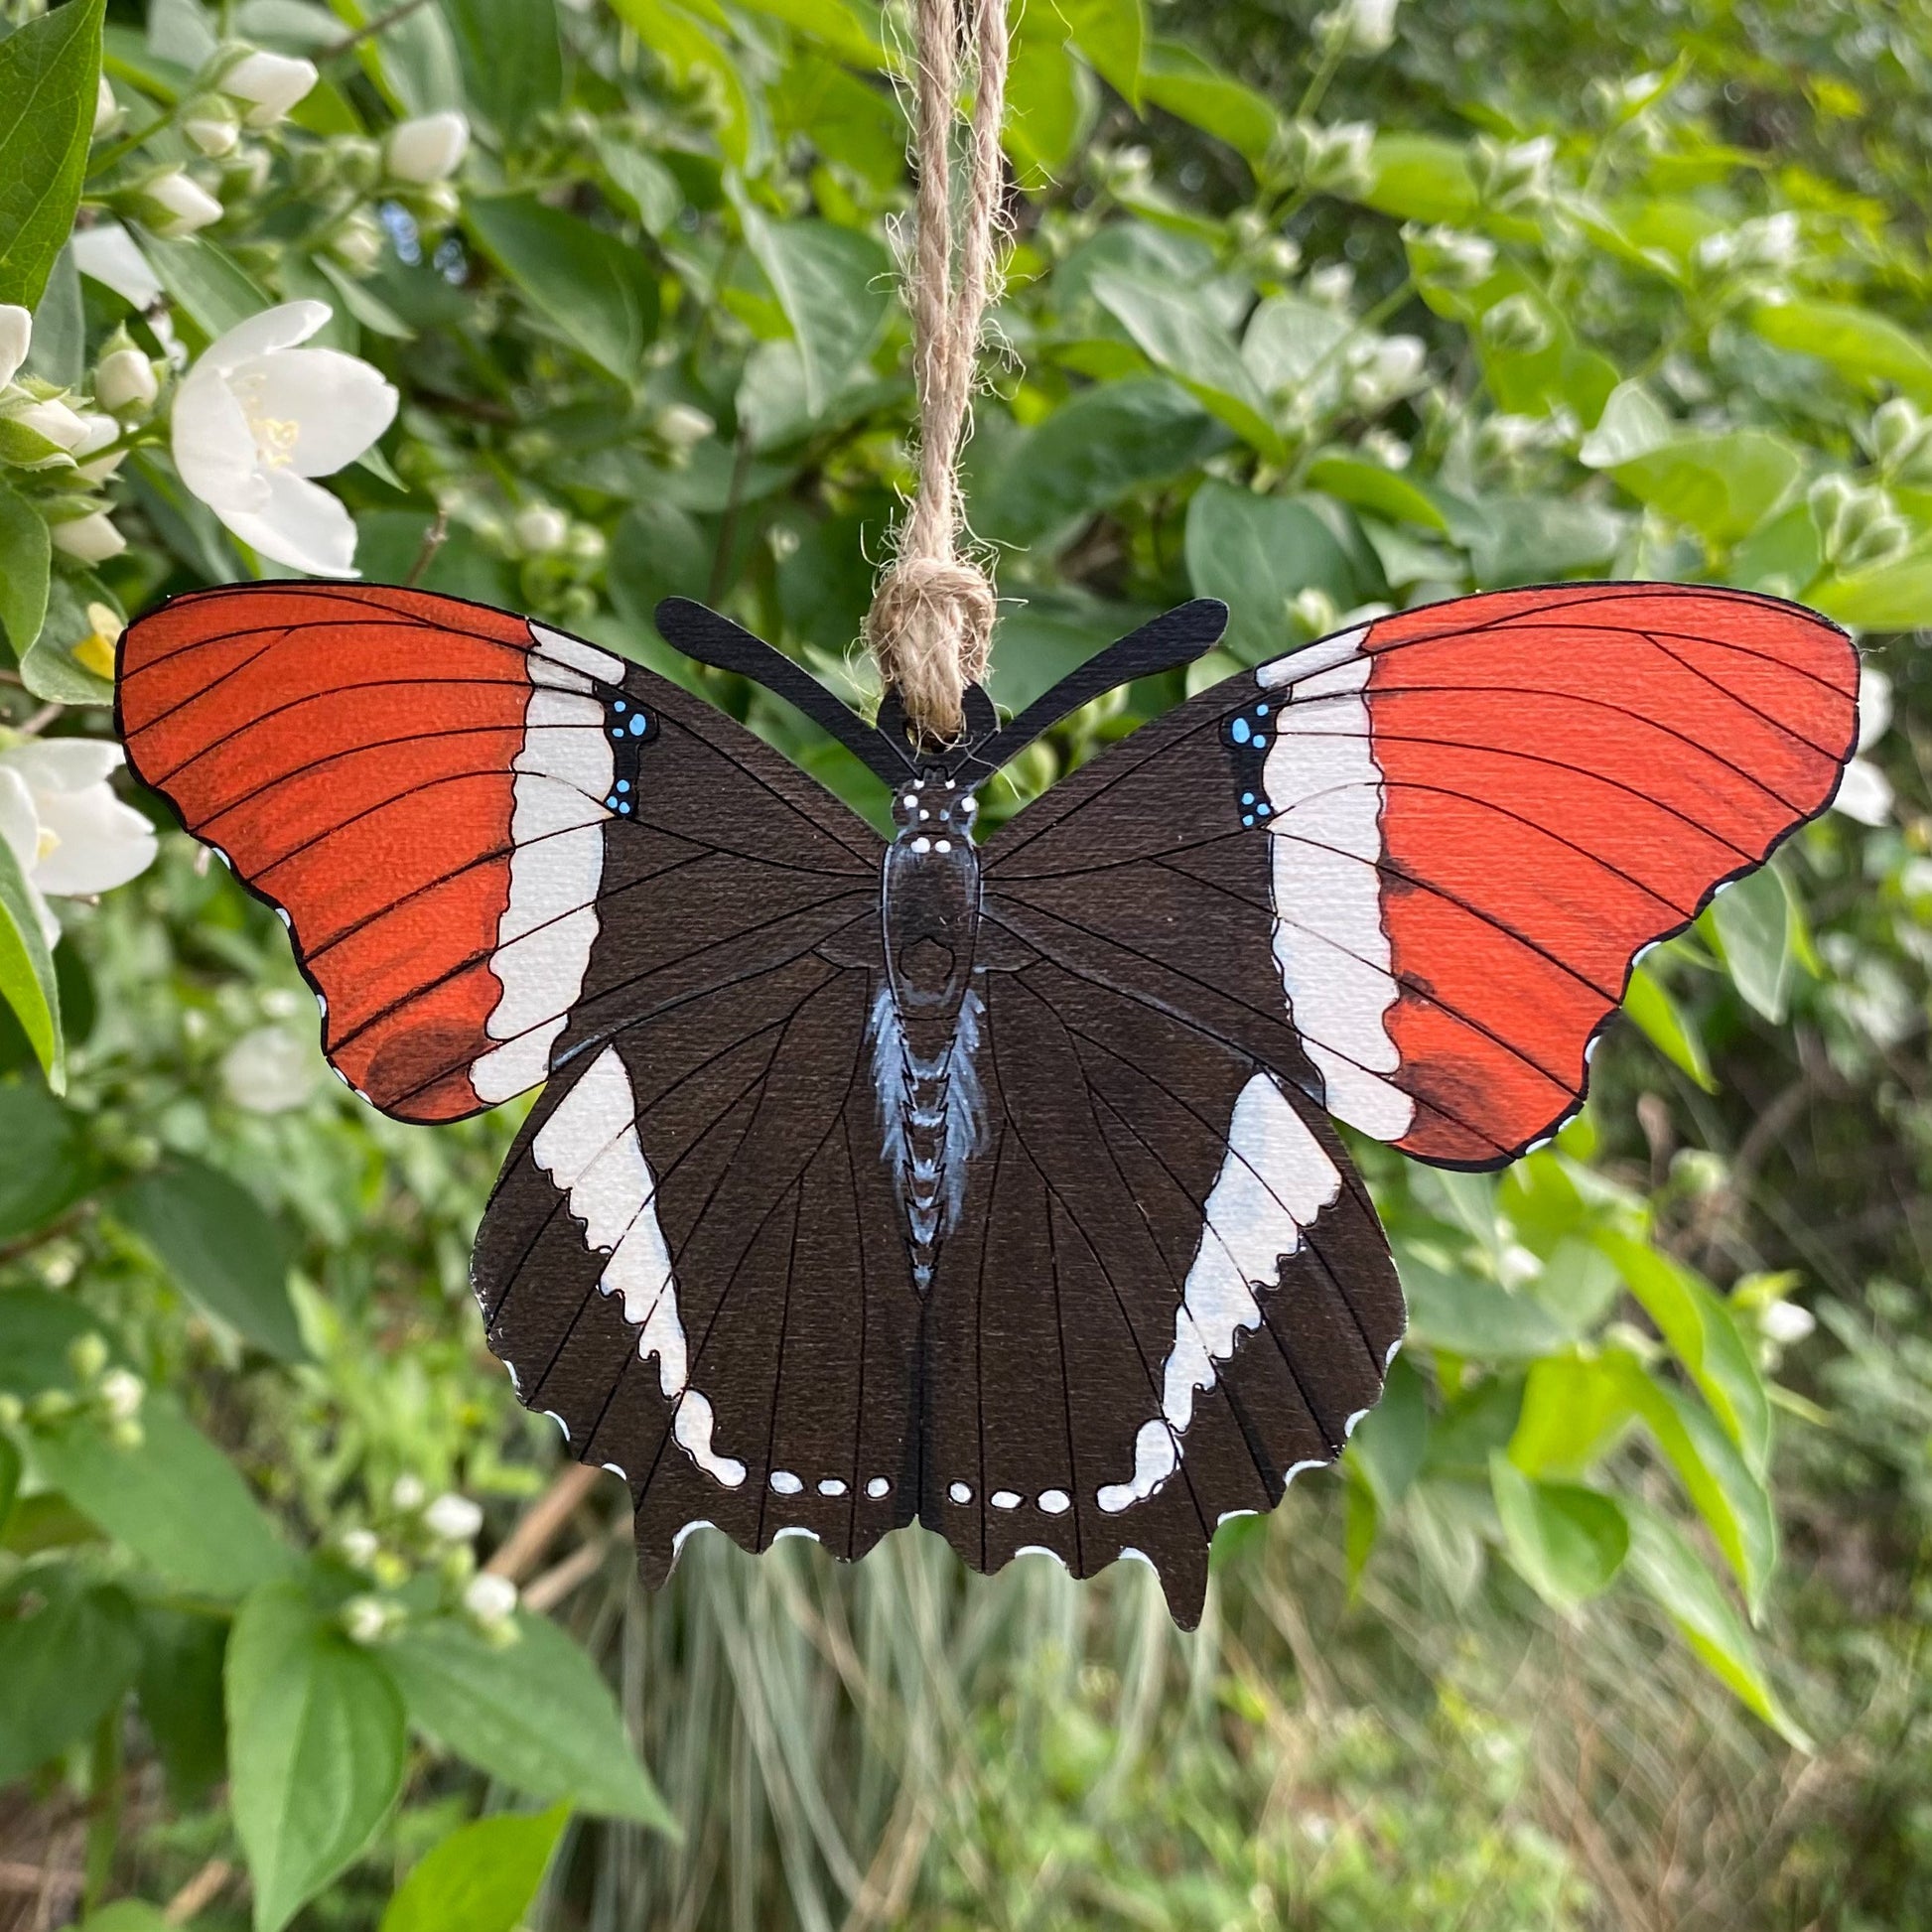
1733	1502
1756	932
203	278
1663	1023
28	985
1568	1542
1178	332
127	1915
221	1249
179	1692
1392	1440
36	1328
1470	1315
1256	554
316	1742
1422	178
1574	1407
834	286
1867	349
66	1656
536	1715
599	292
1664	1565
1050	100
1174	77
642	183
1722	485
49	669
10	1467
58	352
1889	596
25	562
1369	487
44	1166
1107	441
174	1499
482	1878
1112	35
1704	1335
50	71
831	23
512	59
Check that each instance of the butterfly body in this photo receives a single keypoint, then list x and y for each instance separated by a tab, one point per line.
989	1184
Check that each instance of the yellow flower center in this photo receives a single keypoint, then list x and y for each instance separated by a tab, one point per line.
48	843
275	436
95	652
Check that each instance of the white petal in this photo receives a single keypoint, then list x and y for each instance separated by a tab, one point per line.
1863	794
281	327
102	843
110	255
64	764
20	820
214	449
301	525
339	405
1875	705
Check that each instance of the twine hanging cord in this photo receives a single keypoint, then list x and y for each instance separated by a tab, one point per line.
930	626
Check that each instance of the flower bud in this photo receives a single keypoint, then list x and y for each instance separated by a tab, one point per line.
16	338
358	162
683	427
1898	433
212	126
358	243
359	1546
1517	171
107	110
1336	160
1785	1323
540	529
269	83
90	539
587	544
52	422
175	205
437	204
1452	256
247	172
489	1599
1358	26
407	1492
1332	284
87	1355
1517	325
455	1519
368	1619
429	148
125	382
121	1394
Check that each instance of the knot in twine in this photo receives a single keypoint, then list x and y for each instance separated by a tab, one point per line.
931	625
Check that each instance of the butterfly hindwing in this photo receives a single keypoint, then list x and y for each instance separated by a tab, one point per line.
453	808
1168	1293
1454	828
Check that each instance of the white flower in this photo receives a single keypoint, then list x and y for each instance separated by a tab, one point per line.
430	148
270	83
407	1492
71	835
1864	792
107	110
1785	1323
1363	26
540	529
455	1519
1332	283
121	1391
110	255
1389	370
256	417
489	1599
16	338
269	1070
368	1619
90	539
125	380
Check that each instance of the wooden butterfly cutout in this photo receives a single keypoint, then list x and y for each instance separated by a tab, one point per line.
989	1186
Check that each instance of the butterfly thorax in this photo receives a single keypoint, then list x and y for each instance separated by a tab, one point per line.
925	1018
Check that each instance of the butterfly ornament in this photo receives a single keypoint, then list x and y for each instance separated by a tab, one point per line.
986	1184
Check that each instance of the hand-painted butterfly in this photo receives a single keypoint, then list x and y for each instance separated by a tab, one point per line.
991	1186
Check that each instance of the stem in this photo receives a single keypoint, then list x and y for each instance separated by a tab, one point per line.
1333	57
369	28
103	1807
728	524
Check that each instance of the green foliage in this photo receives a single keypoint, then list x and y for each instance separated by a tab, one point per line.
480	1879
47	72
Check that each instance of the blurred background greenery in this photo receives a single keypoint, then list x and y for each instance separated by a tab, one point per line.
1613	1616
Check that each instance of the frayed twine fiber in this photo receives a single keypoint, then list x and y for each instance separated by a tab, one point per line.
930	626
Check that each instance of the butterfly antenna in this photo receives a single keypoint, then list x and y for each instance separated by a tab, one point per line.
1175	637
701	633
